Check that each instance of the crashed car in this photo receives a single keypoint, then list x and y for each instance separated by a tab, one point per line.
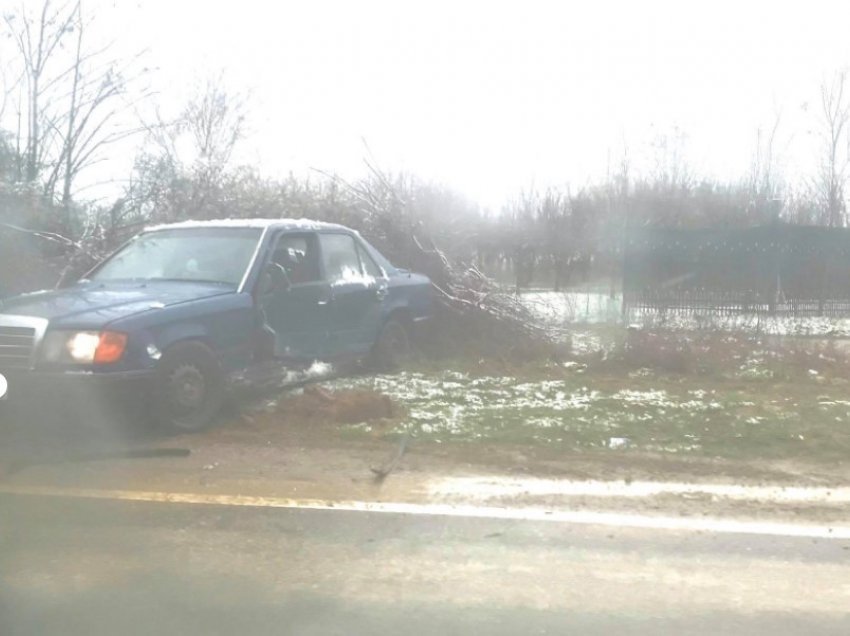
181	311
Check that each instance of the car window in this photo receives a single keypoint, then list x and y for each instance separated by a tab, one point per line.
298	255
339	255
369	266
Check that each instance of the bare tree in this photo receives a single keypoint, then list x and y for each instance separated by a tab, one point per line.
671	170
37	39
71	96
835	159
204	134
184	168
763	178
215	120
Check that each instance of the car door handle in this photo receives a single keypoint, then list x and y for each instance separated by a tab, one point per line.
381	293
322	302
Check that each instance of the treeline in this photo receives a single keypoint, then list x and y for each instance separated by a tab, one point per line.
558	236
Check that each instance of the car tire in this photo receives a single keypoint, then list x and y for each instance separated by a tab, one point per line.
393	347
188	388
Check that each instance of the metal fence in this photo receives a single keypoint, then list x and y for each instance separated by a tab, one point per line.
776	270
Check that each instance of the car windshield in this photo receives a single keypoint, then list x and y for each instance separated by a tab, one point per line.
217	255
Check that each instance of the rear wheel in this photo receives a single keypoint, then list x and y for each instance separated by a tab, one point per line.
189	388
393	348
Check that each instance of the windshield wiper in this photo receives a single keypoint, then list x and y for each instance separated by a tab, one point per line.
190	280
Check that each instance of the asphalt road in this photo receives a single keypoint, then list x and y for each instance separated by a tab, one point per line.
72	566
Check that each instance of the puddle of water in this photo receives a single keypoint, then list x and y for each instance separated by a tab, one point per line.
484	488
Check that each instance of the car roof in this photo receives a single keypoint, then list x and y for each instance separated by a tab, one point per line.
263	224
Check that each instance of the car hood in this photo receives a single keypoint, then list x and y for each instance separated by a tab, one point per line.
94	305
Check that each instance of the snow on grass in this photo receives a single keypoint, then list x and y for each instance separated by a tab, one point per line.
759	419
446	405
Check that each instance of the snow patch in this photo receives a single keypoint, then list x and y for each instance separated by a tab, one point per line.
318	369
295	224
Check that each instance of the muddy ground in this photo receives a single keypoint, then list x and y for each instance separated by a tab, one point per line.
275	454
740	411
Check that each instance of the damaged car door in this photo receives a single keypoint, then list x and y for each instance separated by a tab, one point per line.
358	288
296	313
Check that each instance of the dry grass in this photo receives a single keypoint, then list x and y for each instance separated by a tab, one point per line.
348	406
719	354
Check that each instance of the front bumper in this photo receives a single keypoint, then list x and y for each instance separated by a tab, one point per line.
74	393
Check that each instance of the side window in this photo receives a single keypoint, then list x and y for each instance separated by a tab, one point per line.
369	265
299	256
339	255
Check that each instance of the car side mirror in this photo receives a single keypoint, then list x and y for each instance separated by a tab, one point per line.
274	279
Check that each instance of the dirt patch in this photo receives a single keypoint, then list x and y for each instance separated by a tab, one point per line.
344	406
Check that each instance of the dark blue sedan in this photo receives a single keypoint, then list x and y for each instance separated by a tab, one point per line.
182	310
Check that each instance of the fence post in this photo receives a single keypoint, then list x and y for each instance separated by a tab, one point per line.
624	248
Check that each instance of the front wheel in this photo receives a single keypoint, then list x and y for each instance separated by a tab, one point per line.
188	389
393	348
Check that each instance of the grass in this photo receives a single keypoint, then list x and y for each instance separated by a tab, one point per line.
709	396
639	412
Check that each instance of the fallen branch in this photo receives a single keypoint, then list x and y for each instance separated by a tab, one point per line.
389	218
383	471
48	236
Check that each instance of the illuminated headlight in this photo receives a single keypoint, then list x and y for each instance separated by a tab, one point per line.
84	347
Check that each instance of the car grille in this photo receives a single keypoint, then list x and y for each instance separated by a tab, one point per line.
16	347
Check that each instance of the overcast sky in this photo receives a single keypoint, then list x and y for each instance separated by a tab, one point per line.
492	97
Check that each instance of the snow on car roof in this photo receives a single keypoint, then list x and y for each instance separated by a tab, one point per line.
289	224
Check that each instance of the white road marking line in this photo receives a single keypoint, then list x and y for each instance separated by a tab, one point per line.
480	488
620	520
